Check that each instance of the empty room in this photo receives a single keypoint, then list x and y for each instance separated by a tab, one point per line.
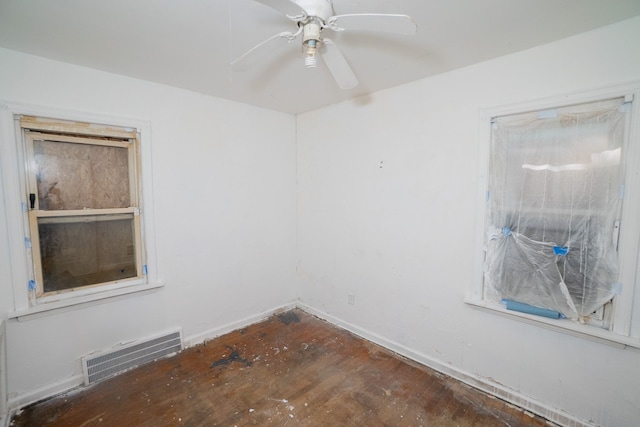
321	213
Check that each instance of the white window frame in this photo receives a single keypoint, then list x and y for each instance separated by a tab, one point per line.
629	244
14	176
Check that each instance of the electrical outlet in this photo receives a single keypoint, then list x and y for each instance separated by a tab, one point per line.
351	299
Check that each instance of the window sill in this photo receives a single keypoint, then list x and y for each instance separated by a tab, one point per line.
561	325
60	306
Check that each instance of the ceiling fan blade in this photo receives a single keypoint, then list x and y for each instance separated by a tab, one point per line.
262	51
390	23
288	7
337	65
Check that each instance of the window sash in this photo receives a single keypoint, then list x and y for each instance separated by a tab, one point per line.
31	166
86	135
89	217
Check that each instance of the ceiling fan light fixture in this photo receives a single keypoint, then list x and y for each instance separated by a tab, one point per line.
310	59
310	39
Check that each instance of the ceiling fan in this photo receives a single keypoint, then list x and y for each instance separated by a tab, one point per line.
312	17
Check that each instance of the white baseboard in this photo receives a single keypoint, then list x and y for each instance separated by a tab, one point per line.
555	415
44	392
233	326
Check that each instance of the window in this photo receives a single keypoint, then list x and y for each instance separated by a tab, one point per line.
554	207
77	197
84	210
558	224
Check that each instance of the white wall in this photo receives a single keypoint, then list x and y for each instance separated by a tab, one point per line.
6	292
3	375
386	211
6	299
224	181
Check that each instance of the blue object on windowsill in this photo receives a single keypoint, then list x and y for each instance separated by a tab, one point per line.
530	309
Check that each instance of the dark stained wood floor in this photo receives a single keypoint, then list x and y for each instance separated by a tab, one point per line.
292	369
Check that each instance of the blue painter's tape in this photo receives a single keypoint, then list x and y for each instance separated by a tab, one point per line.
144	269
506	231
530	309
548	114
561	250
616	288
32	285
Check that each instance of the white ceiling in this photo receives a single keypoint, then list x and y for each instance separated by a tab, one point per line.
190	43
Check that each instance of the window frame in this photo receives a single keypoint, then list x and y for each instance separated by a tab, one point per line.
35	214
619	333
13	160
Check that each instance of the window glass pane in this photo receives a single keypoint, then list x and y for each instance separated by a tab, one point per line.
86	250
78	176
555	182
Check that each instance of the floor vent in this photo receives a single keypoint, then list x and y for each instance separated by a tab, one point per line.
99	366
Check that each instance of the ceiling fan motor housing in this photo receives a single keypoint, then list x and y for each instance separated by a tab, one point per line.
322	9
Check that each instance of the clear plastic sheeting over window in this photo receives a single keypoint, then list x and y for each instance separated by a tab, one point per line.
554	203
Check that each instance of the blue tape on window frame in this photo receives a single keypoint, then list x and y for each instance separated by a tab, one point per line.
561	250
616	288
506	231
548	114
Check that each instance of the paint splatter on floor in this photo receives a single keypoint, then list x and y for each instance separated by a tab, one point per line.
234	356
289	317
